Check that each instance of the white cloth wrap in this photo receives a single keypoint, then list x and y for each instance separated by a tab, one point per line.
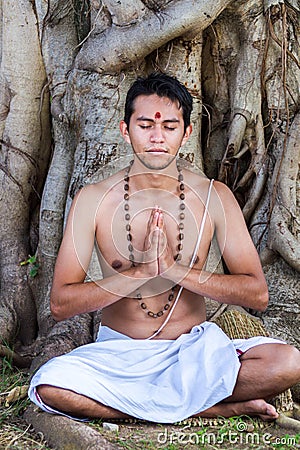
157	380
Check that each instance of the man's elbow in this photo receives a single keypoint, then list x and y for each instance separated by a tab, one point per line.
56	312
57	309
262	300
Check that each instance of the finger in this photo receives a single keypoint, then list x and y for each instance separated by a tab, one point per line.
161	222
160	219
152	235
152	221
162	237
150	254
155	218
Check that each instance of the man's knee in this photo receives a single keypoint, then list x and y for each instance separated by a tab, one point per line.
287	365
282	361
292	360
47	392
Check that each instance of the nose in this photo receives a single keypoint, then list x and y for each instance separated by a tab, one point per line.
156	134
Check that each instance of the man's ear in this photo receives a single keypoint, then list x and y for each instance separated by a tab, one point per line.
124	132
187	134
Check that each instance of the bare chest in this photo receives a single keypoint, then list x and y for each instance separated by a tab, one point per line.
122	227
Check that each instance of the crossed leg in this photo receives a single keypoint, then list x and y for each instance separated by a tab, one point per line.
266	370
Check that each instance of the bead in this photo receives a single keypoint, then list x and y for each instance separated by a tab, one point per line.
131	248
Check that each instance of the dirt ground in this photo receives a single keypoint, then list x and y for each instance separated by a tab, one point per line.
235	433
58	433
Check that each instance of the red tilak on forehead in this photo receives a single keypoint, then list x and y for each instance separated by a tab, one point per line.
157	115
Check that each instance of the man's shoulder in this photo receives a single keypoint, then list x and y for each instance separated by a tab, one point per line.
89	198
103	186
198	180
222	200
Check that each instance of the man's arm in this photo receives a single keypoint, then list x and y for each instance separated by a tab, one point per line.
245	285
70	294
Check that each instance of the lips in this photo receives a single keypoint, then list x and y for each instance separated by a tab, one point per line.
156	150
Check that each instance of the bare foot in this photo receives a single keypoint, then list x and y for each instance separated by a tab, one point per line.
261	409
256	407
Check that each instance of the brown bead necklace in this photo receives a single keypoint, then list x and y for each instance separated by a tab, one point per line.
177	257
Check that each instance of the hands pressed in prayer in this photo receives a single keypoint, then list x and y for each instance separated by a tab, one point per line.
157	251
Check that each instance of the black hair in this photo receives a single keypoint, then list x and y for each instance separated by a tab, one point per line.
162	85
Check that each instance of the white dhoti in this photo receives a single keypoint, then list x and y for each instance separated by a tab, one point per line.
156	380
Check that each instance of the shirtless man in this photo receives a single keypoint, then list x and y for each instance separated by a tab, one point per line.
155	356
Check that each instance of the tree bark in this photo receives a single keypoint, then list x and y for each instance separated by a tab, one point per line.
240	61
24	155
122	47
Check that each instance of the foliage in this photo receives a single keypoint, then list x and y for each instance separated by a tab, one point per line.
33	265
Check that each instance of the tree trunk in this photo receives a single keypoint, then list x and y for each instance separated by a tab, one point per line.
25	145
240	61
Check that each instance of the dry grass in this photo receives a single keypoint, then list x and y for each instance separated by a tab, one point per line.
235	433
14	431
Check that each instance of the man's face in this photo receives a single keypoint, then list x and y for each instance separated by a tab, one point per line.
156	131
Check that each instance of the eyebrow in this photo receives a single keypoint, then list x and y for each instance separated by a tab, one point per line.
147	119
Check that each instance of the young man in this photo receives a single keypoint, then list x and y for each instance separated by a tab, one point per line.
156	358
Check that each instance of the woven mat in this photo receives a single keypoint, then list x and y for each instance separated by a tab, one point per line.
239	325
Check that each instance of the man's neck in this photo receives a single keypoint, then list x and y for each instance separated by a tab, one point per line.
143	177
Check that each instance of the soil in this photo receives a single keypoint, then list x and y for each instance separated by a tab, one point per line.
238	433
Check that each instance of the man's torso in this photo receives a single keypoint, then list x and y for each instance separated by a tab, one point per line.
129	315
